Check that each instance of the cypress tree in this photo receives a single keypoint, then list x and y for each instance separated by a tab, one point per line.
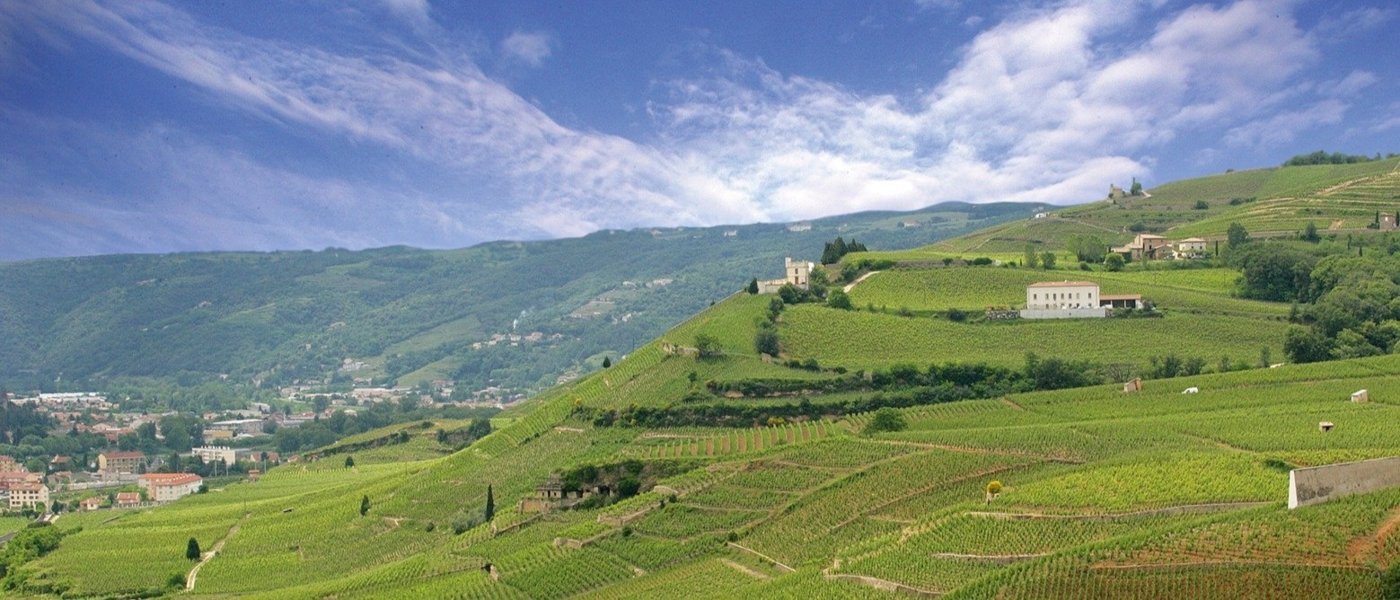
192	550
364	505
607	362
490	503
753	286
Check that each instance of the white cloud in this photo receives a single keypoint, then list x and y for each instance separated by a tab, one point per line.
1281	128
413	11
1050	105
530	48
1350	85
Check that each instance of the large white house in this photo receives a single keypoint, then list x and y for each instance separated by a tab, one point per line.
1073	300
168	487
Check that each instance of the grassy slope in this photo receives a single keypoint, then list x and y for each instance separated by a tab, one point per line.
825	496
894	507
1284	201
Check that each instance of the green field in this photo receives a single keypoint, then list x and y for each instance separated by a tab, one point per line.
765	478
1275	201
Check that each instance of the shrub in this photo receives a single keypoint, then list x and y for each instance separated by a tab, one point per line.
1201	205
994	487
956	316
886	419
839	299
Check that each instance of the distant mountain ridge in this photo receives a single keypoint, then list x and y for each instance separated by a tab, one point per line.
404	314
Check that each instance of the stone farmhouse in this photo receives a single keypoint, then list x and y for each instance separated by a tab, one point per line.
1146	246
797	273
550	495
1073	300
169	487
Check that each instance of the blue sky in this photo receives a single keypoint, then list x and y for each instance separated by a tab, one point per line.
154	127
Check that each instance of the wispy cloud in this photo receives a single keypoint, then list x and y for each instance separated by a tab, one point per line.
1049	105
529	48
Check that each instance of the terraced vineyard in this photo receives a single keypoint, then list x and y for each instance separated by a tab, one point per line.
757	477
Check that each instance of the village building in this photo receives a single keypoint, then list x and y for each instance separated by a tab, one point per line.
238	426
168	487
92	503
1116	193
1146	246
128	499
797	273
116	462
8	463
223	454
1191	248
799	227
1073	300
28	495
551	495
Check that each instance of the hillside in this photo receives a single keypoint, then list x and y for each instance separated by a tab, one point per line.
857	461
1154	493
1268	202
401	314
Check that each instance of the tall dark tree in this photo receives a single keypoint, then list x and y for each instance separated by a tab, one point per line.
1236	235
753	286
490	503
364	505
607	362
192	549
349	462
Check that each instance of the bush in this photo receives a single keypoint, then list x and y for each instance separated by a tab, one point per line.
956	316
1083	266
1201	205
982	261
708	346
839	299
1390	582
1114	262
886	419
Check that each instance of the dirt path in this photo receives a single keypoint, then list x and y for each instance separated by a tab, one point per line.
853	284
1362	547
208	556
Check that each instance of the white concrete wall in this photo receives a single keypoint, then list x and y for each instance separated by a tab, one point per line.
1315	485
1065	313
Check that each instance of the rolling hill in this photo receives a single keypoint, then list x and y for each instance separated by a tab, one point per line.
401	314
857	463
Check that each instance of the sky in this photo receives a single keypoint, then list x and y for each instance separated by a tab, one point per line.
133	126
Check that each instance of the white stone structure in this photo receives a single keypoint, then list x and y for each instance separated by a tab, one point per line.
1051	295
168	487
29	495
796	273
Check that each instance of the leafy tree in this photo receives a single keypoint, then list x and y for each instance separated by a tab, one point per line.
320	404
838	299
1032	259
1236	235
607	362
1276	273
766	341
886	419
1136	188
349	462
1138	227
1047	260
364	505
1201	205
1305	346
490	503
1113	262
753	286
1310	233
708	346
1088	248
192	550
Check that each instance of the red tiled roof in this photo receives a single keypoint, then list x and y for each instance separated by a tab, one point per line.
122	454
170	478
